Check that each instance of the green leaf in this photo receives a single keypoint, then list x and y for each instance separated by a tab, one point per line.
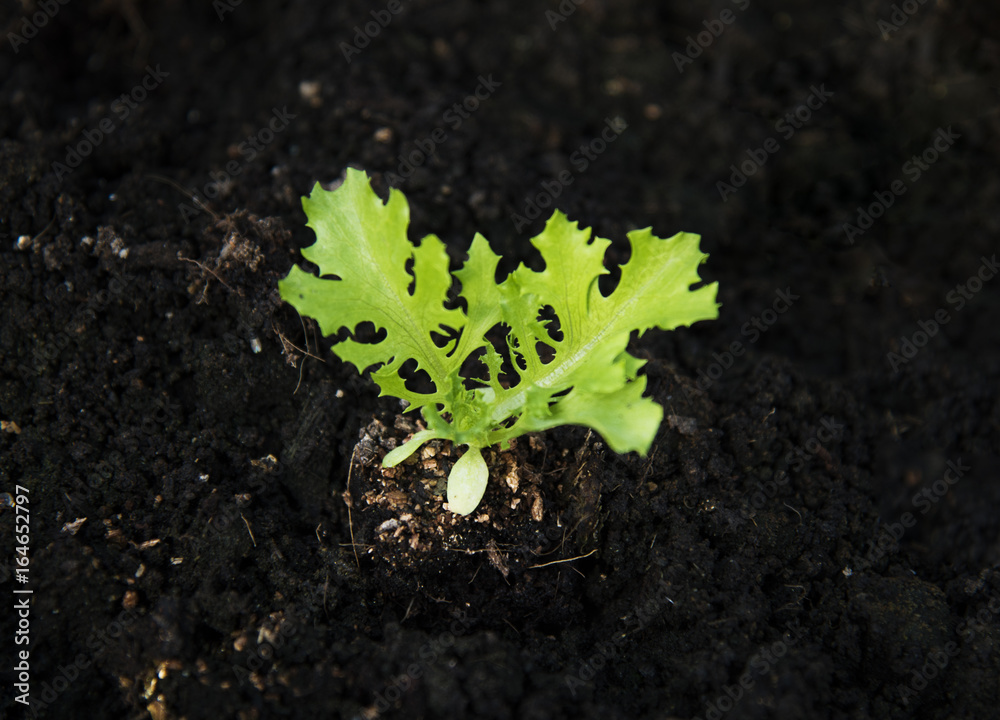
654	291
362	253
363	243
467	482
400	453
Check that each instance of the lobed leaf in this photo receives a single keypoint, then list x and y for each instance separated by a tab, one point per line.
362	253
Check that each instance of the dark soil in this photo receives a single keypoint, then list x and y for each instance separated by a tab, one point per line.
815	531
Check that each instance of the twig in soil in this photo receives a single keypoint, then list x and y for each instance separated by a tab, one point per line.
204	268
44	230
286	344
794	511
187	193
562	541
249	530
649	465
564	560
512	625
798	602
581	453
302	367
350	520
579	472
409	607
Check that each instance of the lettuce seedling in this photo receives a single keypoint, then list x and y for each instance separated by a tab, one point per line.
576	373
